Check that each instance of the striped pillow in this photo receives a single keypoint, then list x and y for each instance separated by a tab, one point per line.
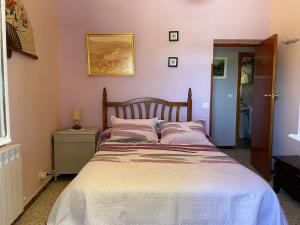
183	133
133	130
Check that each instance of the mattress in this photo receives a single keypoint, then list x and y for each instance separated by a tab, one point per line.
155	184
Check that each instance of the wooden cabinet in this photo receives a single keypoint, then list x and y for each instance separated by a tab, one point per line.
287	175
73	149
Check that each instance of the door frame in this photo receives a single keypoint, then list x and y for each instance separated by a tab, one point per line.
241	55
225	43
211	99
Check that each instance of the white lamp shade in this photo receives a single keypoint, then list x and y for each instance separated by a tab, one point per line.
76	114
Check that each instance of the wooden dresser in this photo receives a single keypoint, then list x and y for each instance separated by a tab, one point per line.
287	175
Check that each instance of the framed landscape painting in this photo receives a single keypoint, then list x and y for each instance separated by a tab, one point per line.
110	54
220	67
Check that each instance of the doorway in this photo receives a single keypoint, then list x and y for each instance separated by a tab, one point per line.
232	95
230	110
244	104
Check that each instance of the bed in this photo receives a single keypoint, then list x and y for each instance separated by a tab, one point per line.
146	183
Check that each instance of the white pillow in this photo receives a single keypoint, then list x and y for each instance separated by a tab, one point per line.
135	130
183	133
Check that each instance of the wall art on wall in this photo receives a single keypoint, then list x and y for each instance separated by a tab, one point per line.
110	54
173	61
220	67
18	29
173	35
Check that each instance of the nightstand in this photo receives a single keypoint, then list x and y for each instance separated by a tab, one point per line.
73	149
287	174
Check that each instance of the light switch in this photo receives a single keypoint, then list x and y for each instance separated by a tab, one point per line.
230	96
205	105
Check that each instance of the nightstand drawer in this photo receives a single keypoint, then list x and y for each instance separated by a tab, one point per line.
71	157
73	149
78	138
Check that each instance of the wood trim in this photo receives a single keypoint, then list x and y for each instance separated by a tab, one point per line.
275	53
211	99
235	45
104	109
166	105
143	100
189	106
238	95
177	113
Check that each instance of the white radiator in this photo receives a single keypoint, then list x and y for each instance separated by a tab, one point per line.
11	184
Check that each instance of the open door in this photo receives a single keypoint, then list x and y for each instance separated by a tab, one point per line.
263	106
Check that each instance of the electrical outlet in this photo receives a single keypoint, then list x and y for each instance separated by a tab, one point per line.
43	175
52	172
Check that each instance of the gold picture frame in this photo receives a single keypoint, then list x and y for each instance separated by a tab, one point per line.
111	54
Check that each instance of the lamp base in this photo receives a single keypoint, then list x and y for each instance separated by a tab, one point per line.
76	127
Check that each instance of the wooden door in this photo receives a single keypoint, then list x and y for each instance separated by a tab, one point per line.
263	106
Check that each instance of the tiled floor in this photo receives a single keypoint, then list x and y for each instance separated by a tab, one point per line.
245	143
38	212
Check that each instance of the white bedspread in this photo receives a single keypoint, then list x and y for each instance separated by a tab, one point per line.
145	186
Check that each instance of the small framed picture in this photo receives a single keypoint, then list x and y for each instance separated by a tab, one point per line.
173	61
173	35
220	68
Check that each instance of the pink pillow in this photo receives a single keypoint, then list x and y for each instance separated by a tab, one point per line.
183	133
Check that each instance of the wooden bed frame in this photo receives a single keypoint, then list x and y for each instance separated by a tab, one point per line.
139	102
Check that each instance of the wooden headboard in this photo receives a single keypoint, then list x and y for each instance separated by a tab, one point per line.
166	107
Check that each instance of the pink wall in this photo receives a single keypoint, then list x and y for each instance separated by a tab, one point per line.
286	22
199	22
36	87
34	98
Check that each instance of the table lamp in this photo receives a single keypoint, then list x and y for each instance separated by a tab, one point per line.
76	114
